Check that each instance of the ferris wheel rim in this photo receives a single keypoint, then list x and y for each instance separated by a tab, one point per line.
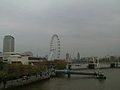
52	45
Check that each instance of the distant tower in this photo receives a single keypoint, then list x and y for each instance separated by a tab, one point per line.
67	57
8	43
78	56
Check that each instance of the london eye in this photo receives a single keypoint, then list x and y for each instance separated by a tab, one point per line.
54	48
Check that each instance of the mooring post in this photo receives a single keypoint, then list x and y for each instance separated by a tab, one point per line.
69	75
69	68
4	83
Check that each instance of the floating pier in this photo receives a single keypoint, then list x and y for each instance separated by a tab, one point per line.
98	75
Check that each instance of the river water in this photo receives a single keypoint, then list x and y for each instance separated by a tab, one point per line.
77	82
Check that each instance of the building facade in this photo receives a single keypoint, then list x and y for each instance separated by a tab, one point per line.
24	59
8	44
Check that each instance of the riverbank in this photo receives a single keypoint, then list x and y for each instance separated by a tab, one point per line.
78	82
85	66
24	81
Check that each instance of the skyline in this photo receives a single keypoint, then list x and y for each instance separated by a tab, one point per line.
88	27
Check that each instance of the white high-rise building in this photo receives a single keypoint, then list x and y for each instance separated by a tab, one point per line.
8	44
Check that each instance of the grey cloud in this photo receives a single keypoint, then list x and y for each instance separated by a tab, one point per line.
88	26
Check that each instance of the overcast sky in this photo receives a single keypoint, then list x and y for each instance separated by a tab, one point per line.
91	27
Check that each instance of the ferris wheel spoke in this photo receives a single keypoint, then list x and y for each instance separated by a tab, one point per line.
55	51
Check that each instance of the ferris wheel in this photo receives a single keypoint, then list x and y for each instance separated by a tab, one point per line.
54	48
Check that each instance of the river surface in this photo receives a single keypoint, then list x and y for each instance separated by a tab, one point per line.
77	82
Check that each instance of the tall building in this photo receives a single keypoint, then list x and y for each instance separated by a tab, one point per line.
78	56
1	56
67	57
8	43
